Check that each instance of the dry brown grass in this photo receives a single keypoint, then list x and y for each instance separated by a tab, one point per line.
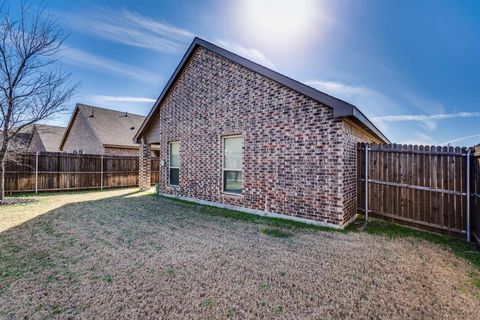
125	255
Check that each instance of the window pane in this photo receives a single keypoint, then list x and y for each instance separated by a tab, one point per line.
233	181
174	176
233	153
175	154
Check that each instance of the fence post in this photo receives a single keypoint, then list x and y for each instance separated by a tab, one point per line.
366	182
36	172
101	172
468	193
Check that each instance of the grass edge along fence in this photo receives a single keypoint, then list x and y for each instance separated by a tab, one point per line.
56	171
428	187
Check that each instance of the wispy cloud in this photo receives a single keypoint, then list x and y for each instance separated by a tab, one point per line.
103	99
473	136
421	117
428	121
130	28
368	100
94	62
424	104
420	139
249	53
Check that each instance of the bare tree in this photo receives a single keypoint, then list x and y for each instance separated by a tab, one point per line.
33	87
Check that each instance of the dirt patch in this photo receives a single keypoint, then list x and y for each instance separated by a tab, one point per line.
140	256
15	201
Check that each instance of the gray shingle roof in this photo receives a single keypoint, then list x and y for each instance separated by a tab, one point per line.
51	136
112	127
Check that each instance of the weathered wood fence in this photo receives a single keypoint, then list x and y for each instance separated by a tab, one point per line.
427	187
63	171
476	194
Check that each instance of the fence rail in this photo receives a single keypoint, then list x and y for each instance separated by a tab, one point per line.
421	186
51	171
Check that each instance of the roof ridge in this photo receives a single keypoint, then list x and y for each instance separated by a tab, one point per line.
48	125
89	124
113	110
340	107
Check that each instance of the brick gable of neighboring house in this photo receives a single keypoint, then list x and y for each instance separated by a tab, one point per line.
36	143
80	137
46	138
94	130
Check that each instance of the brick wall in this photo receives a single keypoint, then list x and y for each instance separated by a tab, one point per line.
127	151
36	144
81	137
121	151
145	166
353	134
294	150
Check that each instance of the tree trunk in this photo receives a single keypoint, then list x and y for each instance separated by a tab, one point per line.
2	178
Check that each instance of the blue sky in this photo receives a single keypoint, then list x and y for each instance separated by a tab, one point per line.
413	67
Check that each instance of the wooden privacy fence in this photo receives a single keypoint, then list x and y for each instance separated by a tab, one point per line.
63	171
476	194
422	186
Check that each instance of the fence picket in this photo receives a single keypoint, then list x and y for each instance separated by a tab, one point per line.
421	186
61	171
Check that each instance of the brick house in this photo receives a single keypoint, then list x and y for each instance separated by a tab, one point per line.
45	138
37	137
235	134
94	130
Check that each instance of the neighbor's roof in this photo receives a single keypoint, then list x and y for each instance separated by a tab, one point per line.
113	128
340	108
51	136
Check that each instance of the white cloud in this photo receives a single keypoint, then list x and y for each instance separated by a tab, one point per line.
420	139
421	117
249	53
473	136
425	105
121	99
92	61
370	101
130	28
429	121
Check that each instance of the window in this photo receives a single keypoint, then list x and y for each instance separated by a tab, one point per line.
174	163
232	164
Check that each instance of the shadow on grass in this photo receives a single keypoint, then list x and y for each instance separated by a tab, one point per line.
391	230
247	217
66	192
375	227
17	257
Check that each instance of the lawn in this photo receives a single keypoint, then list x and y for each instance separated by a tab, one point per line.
124	254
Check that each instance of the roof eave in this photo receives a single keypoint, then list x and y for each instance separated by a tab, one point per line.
356	114
340	108
68	128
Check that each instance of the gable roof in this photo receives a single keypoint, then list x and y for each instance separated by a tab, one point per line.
21	140
340	108
51	136
112	128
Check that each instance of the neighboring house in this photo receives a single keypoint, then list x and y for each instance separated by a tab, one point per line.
96	130
19	143
37	137
236	134
45	138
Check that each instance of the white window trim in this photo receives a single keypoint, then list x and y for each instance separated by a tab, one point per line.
238	135
170	162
